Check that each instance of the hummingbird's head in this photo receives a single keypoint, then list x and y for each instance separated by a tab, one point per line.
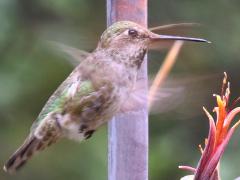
125	33
132	40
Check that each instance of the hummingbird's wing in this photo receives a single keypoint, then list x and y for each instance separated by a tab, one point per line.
74	55
174	27
177	92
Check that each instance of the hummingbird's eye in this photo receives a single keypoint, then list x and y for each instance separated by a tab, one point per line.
132	33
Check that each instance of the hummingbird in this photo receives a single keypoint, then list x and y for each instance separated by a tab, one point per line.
94	92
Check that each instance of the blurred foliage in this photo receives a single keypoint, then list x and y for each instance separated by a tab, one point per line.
30	71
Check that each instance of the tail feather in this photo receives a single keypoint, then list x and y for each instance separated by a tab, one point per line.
20	157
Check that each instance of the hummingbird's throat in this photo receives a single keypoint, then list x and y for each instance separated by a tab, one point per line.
131	59
138	58
131	56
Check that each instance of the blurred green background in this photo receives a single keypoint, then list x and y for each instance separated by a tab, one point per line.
30	71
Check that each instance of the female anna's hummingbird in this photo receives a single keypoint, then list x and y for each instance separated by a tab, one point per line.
94	92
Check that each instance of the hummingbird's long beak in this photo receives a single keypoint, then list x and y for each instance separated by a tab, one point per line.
157	37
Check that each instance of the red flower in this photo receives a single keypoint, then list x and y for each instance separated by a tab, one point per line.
219	135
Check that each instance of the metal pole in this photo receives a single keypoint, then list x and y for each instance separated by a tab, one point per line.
128	133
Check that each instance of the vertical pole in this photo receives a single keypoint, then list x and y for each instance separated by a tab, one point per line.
128	133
